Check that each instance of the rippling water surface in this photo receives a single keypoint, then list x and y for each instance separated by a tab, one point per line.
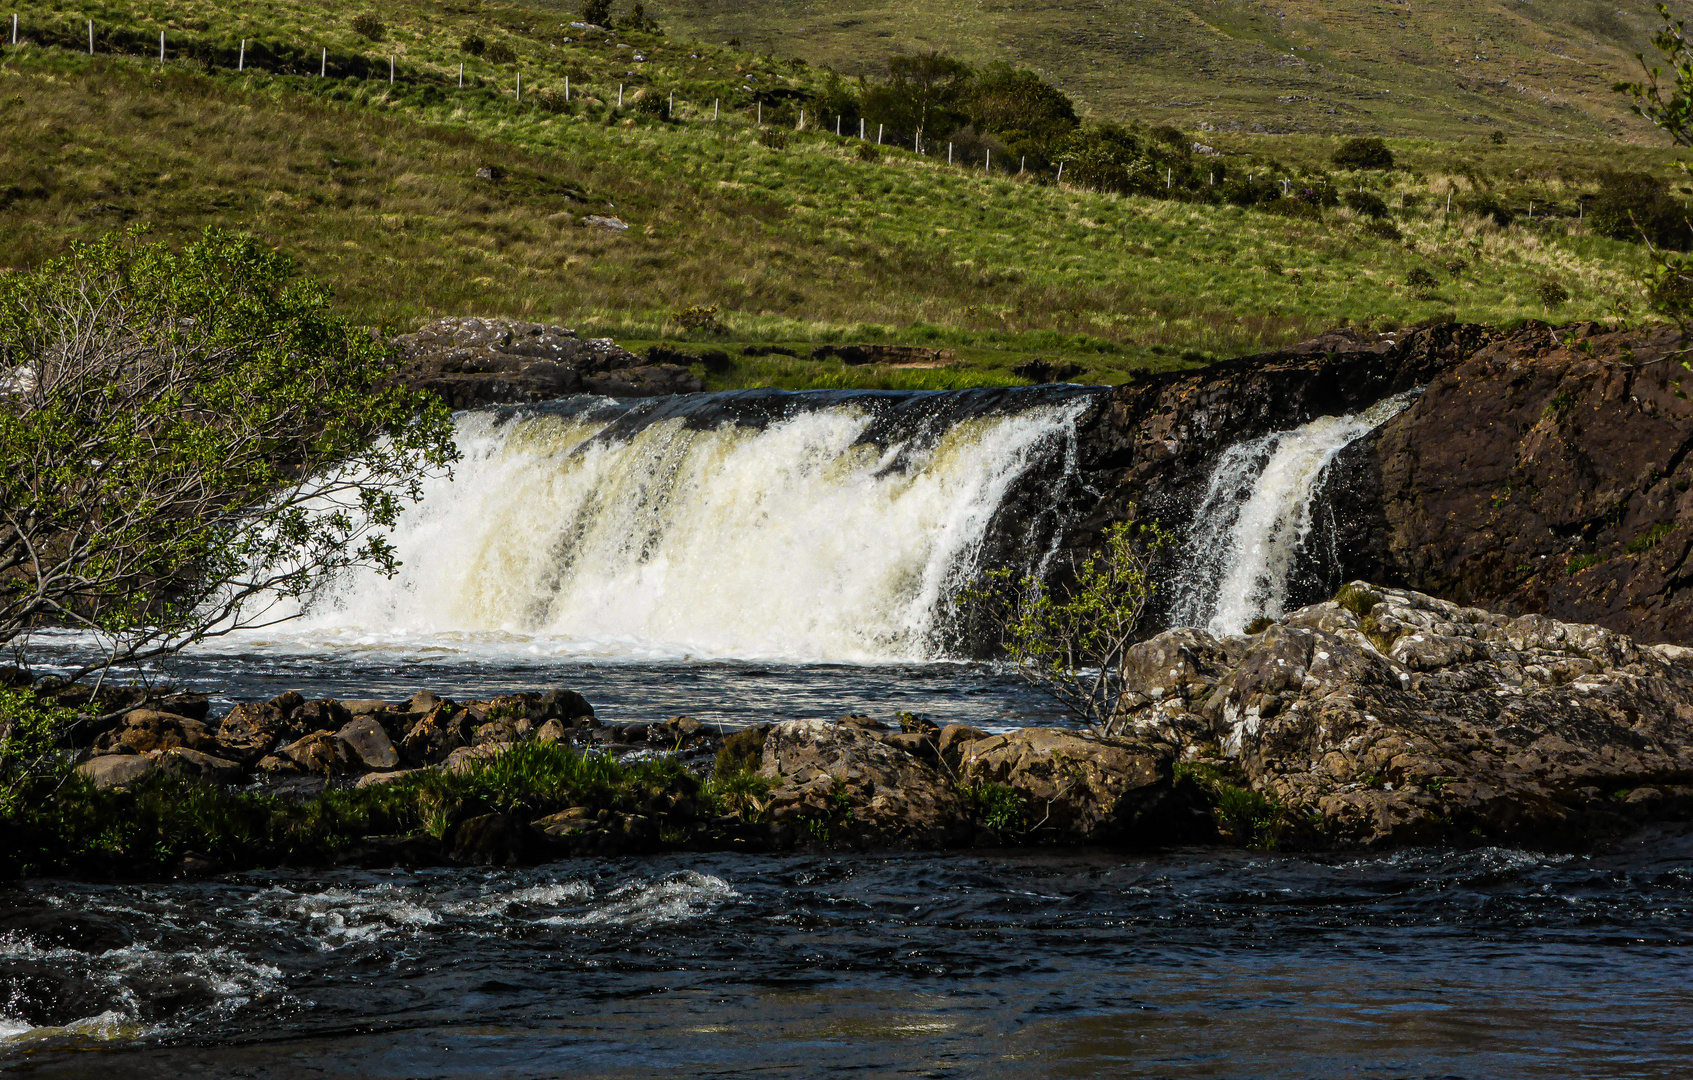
1484	963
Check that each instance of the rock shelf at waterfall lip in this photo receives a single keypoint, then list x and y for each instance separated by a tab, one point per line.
1383	717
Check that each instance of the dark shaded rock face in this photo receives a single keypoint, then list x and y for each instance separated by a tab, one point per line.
1548	474
471	362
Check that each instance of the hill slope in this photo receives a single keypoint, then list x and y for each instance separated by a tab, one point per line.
416	198
1441	68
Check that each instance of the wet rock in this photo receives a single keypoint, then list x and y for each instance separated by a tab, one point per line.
890	355
465	758
921	745
647	380
422	702
470	362
376	778
436	734
567	706
149	729
552	732
197	766
827	772
325	715
1402	718
364	706
287	701
194	706
369	742
322	753
110	772
489	840
953	737
253	729
1074	783
45	993
580	831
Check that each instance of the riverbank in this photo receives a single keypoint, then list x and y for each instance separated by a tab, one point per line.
1381	718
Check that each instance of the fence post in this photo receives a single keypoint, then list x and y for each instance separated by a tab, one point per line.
837	127
1022	161
161	46
323	64
520	88
14	28
1168	174
620	95
878	134
672	112
801	125
90	37
1060	179
390	69
760	114
714	109
241	61
949	153
461	74
987	166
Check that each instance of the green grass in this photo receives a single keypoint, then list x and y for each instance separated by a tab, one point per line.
374	188
77	828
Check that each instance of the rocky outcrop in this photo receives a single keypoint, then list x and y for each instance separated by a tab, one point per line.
1548	473
471	362
1075	784
1391	717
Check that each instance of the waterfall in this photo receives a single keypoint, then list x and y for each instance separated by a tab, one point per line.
1254	519
757	524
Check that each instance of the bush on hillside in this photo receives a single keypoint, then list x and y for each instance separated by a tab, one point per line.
1552	293
366	24
596	12
1367	203
474	44
868	152
1363	154
773	139
1632	205
500	52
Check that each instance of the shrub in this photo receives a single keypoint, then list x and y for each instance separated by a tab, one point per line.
1456	266
1421	280
500	52
653	104
1385	229
1498	137
699	318
1172	136
1552	293
1632	205
1357	599
596	12
868	152
474	44
1363	154
742	752
366	24
639	20
998	807
1489	205
1367	203
773	138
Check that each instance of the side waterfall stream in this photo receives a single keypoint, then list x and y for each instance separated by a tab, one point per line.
760	556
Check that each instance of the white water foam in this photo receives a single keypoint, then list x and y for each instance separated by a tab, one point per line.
1255	517
797	541
672	899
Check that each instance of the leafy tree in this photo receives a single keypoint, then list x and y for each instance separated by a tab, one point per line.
597	12
188	437
1110	157
1634	206
1668	104
1029	115
923	94
1071	641
1363	154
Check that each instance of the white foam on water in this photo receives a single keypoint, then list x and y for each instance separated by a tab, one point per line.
673	899
338	917
552	895
797	541
1255	517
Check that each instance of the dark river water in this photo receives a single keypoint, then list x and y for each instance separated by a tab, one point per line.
1484	963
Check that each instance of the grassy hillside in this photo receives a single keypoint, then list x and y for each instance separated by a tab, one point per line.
374	186
1435	68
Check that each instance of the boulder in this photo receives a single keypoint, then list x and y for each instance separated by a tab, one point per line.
252	729
470	362
848	781
580	831
489	840
193	764
953	737
1400	718
369	742
322	753
1074	784
364	706
149	729
436	734
119	772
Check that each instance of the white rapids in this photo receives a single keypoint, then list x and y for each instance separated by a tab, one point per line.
797	540
1255	516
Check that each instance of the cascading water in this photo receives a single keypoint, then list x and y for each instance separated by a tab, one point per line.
750	525
1255	516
